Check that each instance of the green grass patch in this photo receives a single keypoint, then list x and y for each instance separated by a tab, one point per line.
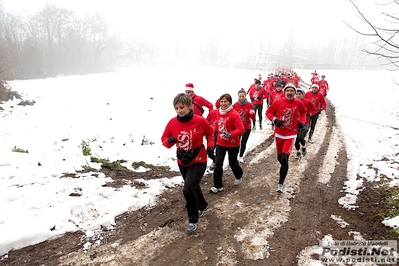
390	199
85	148
105	163
15	149
136	165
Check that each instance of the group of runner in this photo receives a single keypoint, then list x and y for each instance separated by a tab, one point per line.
227	128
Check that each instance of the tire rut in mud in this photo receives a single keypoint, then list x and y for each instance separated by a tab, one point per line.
311	209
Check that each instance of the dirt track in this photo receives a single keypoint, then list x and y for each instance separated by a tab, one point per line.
249	224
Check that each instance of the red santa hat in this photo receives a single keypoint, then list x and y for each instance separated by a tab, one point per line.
189	87
314	85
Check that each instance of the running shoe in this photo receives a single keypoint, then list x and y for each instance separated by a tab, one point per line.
280	188
298	155
202	213
310	140
241	159
238	181
216	190
192	227
304	151
260	127
254	128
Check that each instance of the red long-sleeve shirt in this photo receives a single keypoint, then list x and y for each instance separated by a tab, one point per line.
317	99
315	80
257	95
291	112
310	109
212	117
323	87
274	95
189	135
198	103
245	113
231	123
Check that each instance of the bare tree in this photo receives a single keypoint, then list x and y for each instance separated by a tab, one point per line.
386	44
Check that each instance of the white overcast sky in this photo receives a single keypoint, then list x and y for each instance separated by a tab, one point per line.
229	22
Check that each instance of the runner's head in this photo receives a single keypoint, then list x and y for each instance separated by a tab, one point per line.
314	88
300	93
183	104
257	83
225	101
242	95
190	89
289	91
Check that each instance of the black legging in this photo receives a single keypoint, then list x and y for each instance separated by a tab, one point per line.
300	137
244	140
313	122
233	162
195	200
283	159
259	108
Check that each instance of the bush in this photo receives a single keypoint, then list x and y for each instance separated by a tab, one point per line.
7	94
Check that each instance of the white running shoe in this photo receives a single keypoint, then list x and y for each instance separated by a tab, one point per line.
280	188
241	159
216	190
238	181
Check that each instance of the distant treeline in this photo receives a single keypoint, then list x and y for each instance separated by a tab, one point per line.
55	41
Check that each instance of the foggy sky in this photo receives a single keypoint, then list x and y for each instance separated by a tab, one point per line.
232	24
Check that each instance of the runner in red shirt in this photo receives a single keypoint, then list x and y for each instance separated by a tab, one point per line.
310	111
246	111
257	94
288	115
252	86
187	132
230	128
269	89
315	78
198	101
323	86
297	79
319	103
277	93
